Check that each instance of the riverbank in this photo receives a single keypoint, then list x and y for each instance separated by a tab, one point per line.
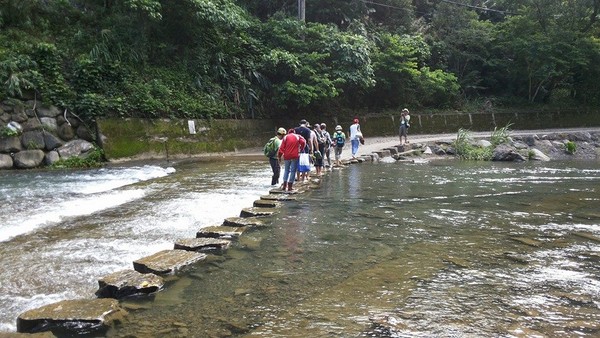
377	143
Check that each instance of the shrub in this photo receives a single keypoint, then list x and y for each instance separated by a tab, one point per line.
92	160
571	147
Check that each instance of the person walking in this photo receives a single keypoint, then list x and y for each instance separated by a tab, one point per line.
289	153
318	154
328	143
270	150
304	131
404	125
339	139
356	137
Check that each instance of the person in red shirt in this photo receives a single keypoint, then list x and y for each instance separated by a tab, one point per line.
289	152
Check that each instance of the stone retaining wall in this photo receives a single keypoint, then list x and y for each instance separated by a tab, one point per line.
33	135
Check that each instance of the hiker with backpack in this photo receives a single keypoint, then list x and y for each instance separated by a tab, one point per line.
328	145
271	149
289	152
339	140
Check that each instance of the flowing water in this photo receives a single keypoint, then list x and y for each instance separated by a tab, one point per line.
440	249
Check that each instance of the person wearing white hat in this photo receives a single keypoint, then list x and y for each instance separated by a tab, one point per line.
338	139
404	125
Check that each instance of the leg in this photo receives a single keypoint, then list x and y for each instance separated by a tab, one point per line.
276	170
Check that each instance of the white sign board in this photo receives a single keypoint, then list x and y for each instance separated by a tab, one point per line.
192	127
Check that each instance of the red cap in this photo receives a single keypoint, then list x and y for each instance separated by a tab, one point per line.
355	120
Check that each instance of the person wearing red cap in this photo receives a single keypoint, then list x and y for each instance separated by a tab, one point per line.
289	152
356	137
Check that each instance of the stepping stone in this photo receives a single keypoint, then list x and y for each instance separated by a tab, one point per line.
243	222
77	316
220	232
126	283
202	244
277	191
167	261
265	204
278	197
392	150
257	212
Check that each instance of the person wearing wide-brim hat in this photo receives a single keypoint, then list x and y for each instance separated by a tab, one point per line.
404	125
338	141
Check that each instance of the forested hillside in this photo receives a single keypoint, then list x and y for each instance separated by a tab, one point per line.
255	58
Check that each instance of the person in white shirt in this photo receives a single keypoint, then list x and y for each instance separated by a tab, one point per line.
356	137
404	125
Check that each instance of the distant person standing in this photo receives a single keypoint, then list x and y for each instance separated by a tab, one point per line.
289	152
404	125
339	139
271	149
356	137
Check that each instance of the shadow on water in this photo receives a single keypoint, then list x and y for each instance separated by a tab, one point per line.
450	249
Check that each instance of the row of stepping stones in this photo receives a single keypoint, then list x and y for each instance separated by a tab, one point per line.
99	314
91	315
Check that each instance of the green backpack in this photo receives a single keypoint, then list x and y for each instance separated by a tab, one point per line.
270	149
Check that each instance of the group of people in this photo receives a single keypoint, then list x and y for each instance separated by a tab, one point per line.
304	146
300	148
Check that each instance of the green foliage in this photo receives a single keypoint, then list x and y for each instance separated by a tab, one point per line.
7	132
94	159
237	59
571	147
500	136
466	149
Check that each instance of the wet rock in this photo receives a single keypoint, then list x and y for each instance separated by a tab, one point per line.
127	283
6	162
257	212
250	243
220	232
278	197
392	150
428	151
243	222
527	241
202	244
167	261
583	326
78	316
266	203
28	159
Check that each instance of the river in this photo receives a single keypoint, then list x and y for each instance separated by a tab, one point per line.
446	249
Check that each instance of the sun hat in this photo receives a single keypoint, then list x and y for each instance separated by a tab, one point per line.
338	127
323	125
405	110
281	131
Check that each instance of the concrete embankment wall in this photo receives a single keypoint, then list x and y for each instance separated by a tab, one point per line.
131	138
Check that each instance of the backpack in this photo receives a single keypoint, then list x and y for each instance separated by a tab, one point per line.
270	149
339	139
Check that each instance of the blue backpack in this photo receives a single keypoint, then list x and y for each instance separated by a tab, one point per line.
340	140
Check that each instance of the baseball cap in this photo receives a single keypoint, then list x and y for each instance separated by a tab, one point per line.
338	127
281	131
